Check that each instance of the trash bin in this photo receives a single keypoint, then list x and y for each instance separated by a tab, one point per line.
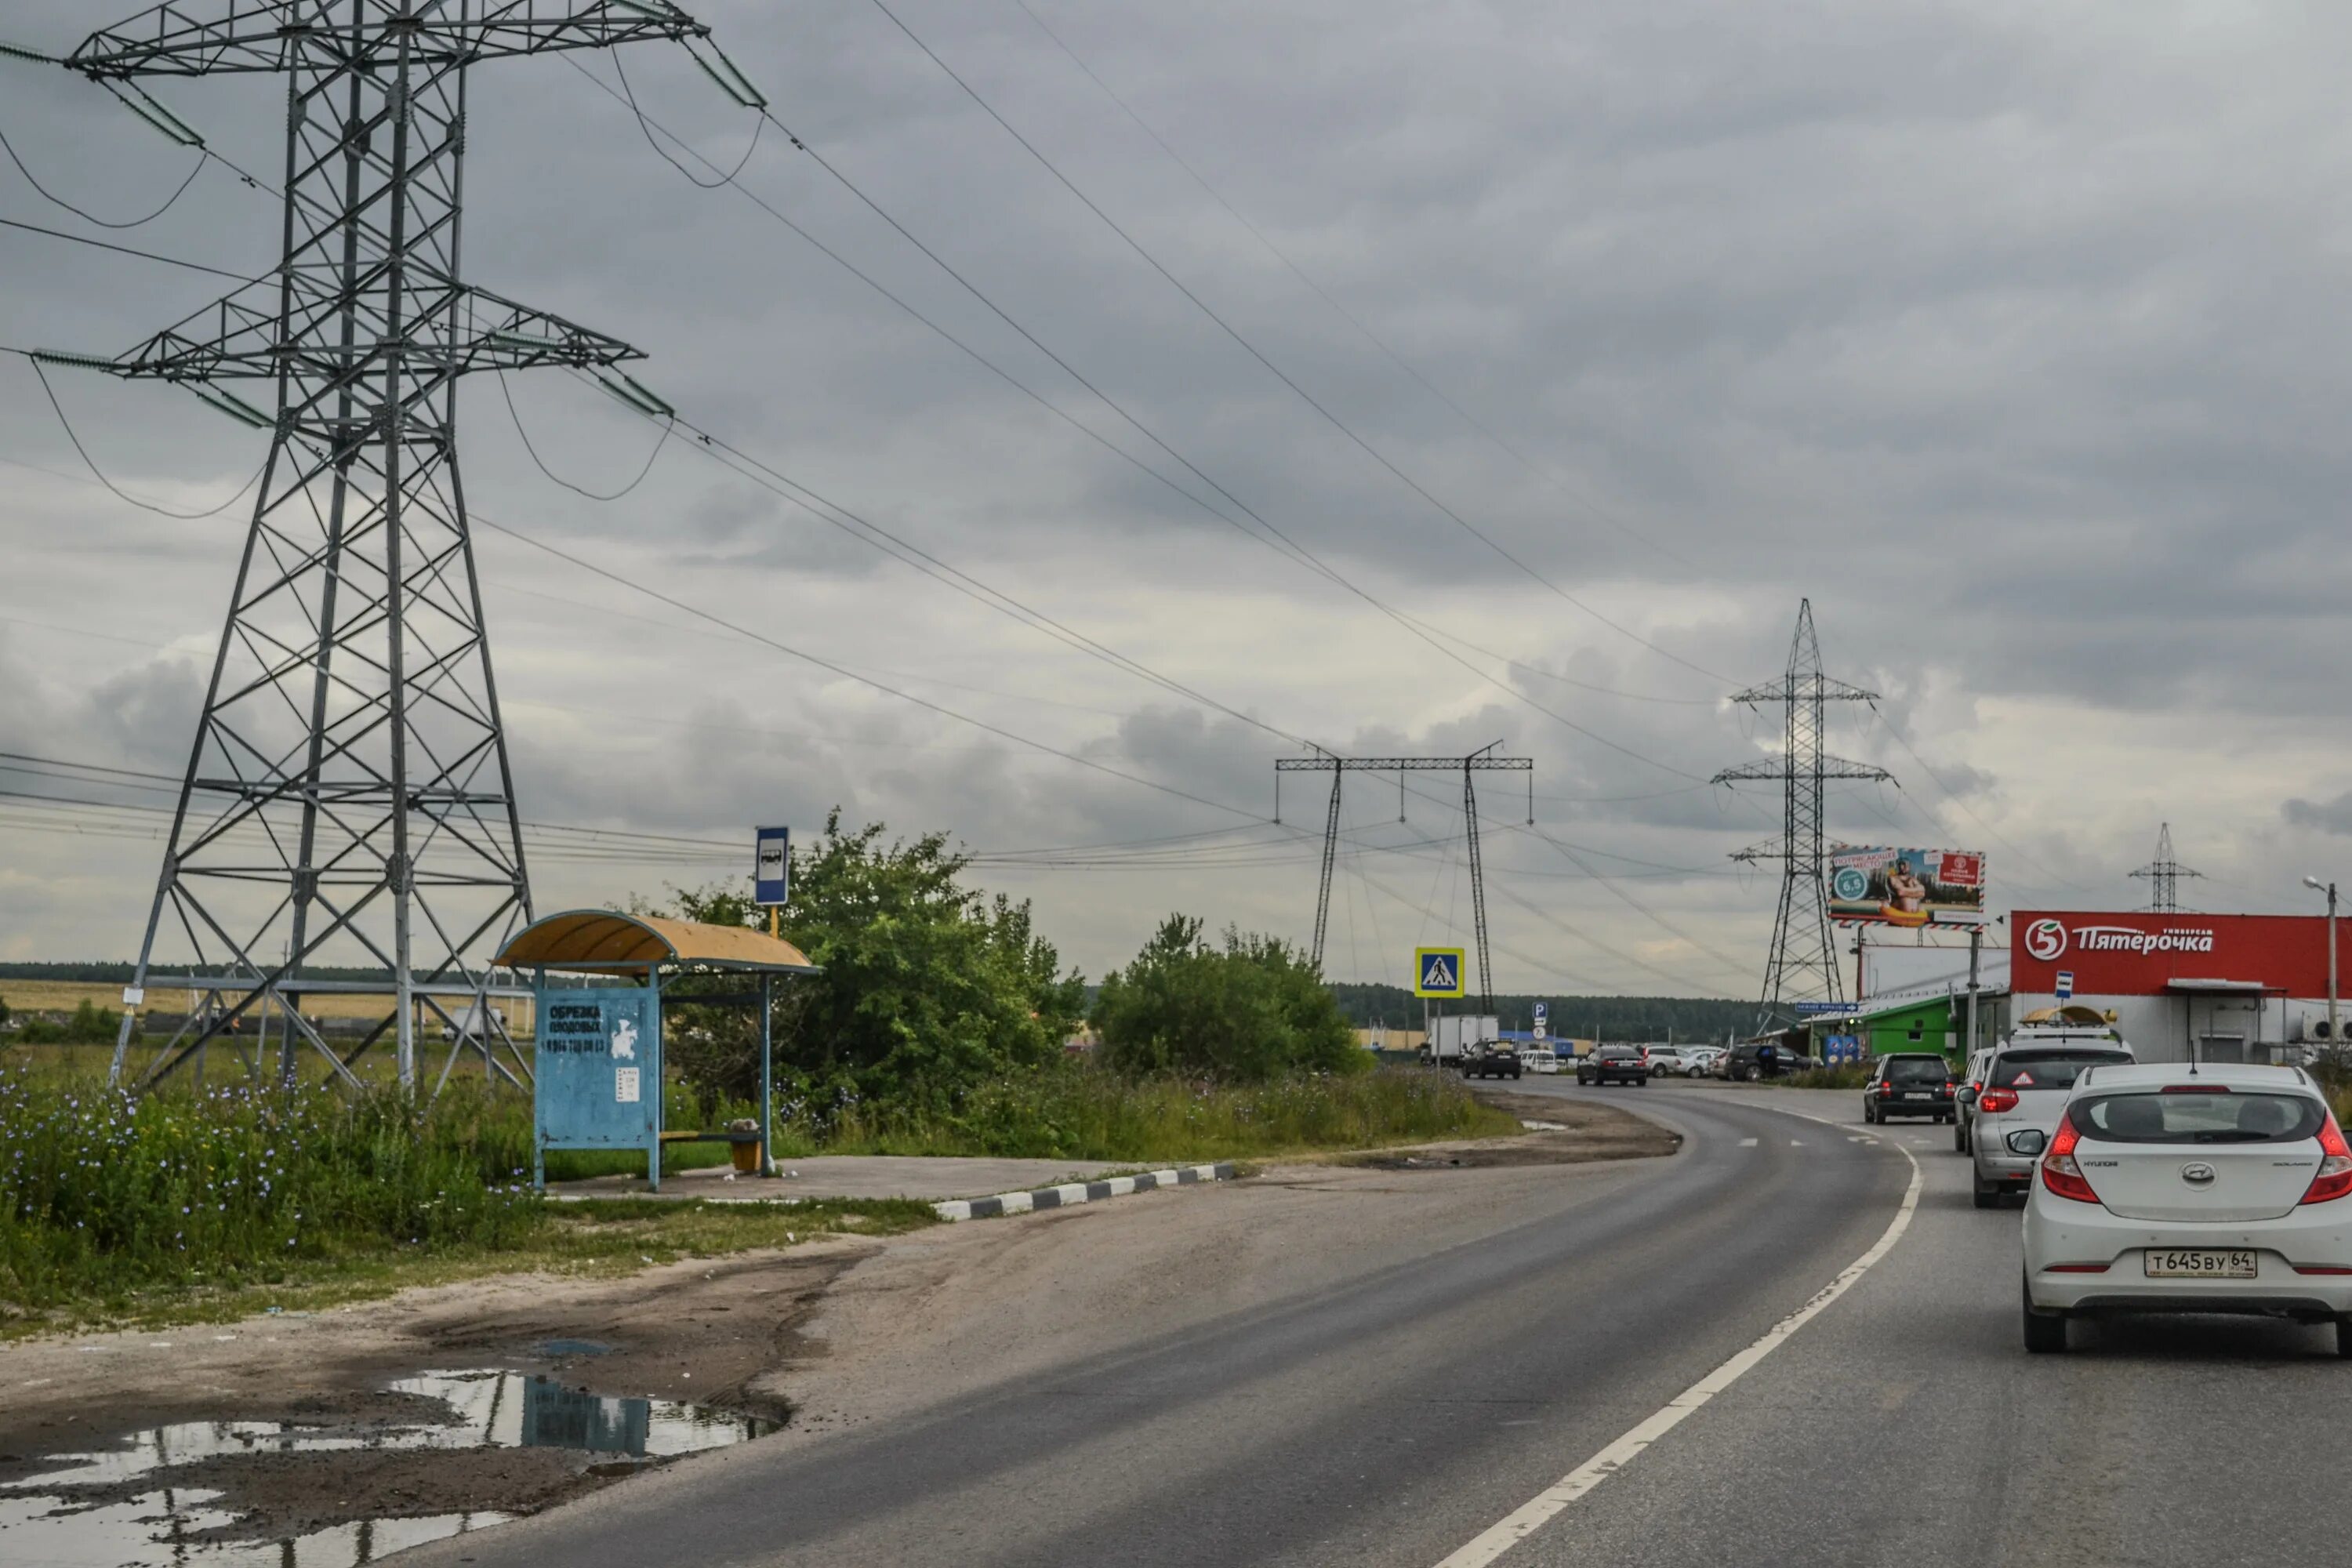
744	1146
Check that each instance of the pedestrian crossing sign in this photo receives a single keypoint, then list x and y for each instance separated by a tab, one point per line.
1437	971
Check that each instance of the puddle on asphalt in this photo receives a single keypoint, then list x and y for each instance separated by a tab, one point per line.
54	1521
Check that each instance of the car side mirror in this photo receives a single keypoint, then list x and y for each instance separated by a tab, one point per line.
1967	1096
2031	1140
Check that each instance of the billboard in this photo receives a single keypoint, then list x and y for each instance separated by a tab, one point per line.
1874	885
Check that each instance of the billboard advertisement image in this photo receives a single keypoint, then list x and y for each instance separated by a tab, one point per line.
1874	885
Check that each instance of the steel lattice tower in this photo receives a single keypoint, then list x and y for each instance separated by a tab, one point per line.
1803	963
2163	874
1481	761
348	799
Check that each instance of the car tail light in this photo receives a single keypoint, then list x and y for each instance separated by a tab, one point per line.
2064	1177
2321	1268
2084	1268
2335	1178
1885	1089
1997	1101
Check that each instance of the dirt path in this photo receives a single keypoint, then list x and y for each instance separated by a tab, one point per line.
831	1333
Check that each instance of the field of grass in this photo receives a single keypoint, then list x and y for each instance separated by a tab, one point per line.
1084	1113
163	995
216	1204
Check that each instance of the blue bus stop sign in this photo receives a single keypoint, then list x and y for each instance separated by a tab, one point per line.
771	867
598	1068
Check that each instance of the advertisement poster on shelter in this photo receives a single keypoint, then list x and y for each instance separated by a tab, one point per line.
1874	885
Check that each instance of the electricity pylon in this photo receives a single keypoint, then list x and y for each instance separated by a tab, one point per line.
1803	963
2163	874
349	799
1478	762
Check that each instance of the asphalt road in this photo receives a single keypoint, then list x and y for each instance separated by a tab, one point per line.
1393	1417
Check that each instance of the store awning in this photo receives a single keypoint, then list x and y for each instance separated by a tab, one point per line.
607	942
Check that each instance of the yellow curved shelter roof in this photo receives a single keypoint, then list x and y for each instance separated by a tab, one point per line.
606	941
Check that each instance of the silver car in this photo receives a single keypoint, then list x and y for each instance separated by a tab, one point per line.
2016	1106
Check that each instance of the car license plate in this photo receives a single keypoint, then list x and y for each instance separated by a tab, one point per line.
2178	1263
1909	1094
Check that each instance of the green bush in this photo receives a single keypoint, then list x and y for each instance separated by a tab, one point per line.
88	1025
928	986
1250	1010
102	1195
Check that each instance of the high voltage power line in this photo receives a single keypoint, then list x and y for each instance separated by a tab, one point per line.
1307	558
1276	370
1272	536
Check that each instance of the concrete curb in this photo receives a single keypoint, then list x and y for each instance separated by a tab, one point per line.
1079	1193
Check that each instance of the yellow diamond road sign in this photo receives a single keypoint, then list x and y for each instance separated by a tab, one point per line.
1437	971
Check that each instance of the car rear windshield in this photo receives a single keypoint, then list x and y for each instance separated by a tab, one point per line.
1918	1069
1615	1051
2199	1118
2048	1070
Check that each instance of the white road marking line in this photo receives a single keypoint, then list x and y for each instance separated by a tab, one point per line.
1547	1504
1796	1143
1748	1143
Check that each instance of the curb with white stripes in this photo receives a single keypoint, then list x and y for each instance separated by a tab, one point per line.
1079	1193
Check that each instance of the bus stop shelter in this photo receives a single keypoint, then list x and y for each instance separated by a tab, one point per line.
597	1077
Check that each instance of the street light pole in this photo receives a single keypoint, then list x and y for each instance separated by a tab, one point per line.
2335	1040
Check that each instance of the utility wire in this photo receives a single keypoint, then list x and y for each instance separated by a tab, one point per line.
1274	538
1542	471
1956	799
203	156
1278	372
124	250
667	424
100	474
846	674
759	124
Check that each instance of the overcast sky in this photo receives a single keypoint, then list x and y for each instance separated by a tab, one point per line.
2010	333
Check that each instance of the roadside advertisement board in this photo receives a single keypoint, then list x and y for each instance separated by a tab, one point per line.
1870	884
2141	954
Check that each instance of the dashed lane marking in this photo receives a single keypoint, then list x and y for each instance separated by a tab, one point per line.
1545	1505
1748	1143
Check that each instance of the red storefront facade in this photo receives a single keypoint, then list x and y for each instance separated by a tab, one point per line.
2230	988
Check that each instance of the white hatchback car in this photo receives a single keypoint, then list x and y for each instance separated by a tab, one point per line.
2164	1189
1539	1059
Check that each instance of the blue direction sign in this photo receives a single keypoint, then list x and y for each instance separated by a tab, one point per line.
1437	971
771	867
1823	1009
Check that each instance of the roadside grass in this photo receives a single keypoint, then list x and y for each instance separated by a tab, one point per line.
112	1206
593	1240
1087	1113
